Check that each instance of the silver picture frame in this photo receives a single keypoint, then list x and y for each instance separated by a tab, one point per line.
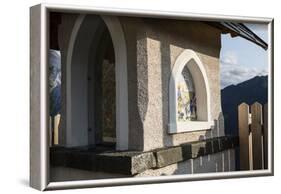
39	152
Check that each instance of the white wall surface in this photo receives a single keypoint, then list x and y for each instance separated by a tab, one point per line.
14	98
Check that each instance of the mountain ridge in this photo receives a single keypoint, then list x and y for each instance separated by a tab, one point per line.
249	91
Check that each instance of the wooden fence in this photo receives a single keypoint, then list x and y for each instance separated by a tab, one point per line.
253	135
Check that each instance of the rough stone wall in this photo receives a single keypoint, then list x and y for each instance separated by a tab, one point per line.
153	46
137	79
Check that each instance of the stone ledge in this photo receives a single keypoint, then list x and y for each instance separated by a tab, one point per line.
126	162
134	162
169	156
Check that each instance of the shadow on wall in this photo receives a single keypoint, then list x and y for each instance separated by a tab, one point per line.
218	162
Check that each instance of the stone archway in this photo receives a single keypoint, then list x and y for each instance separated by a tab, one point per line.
83	33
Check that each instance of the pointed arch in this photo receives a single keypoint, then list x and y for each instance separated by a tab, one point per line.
78	50
188	58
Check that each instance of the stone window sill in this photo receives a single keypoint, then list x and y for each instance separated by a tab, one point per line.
181	127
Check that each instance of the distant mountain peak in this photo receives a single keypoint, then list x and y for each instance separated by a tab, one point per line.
249	91
252	81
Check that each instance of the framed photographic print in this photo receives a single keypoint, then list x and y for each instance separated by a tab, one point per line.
124	96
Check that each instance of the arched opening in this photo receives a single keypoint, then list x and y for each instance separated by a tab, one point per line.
101	89
96	83
189	95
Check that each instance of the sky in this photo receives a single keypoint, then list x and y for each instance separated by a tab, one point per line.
241	59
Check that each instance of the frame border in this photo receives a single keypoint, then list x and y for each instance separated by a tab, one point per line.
39	162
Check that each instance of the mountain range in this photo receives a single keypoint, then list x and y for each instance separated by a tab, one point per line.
250	91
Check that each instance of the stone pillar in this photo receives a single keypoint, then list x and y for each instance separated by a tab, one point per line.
137	79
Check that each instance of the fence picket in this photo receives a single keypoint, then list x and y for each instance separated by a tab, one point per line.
265	136
253	136
256	130
243	118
